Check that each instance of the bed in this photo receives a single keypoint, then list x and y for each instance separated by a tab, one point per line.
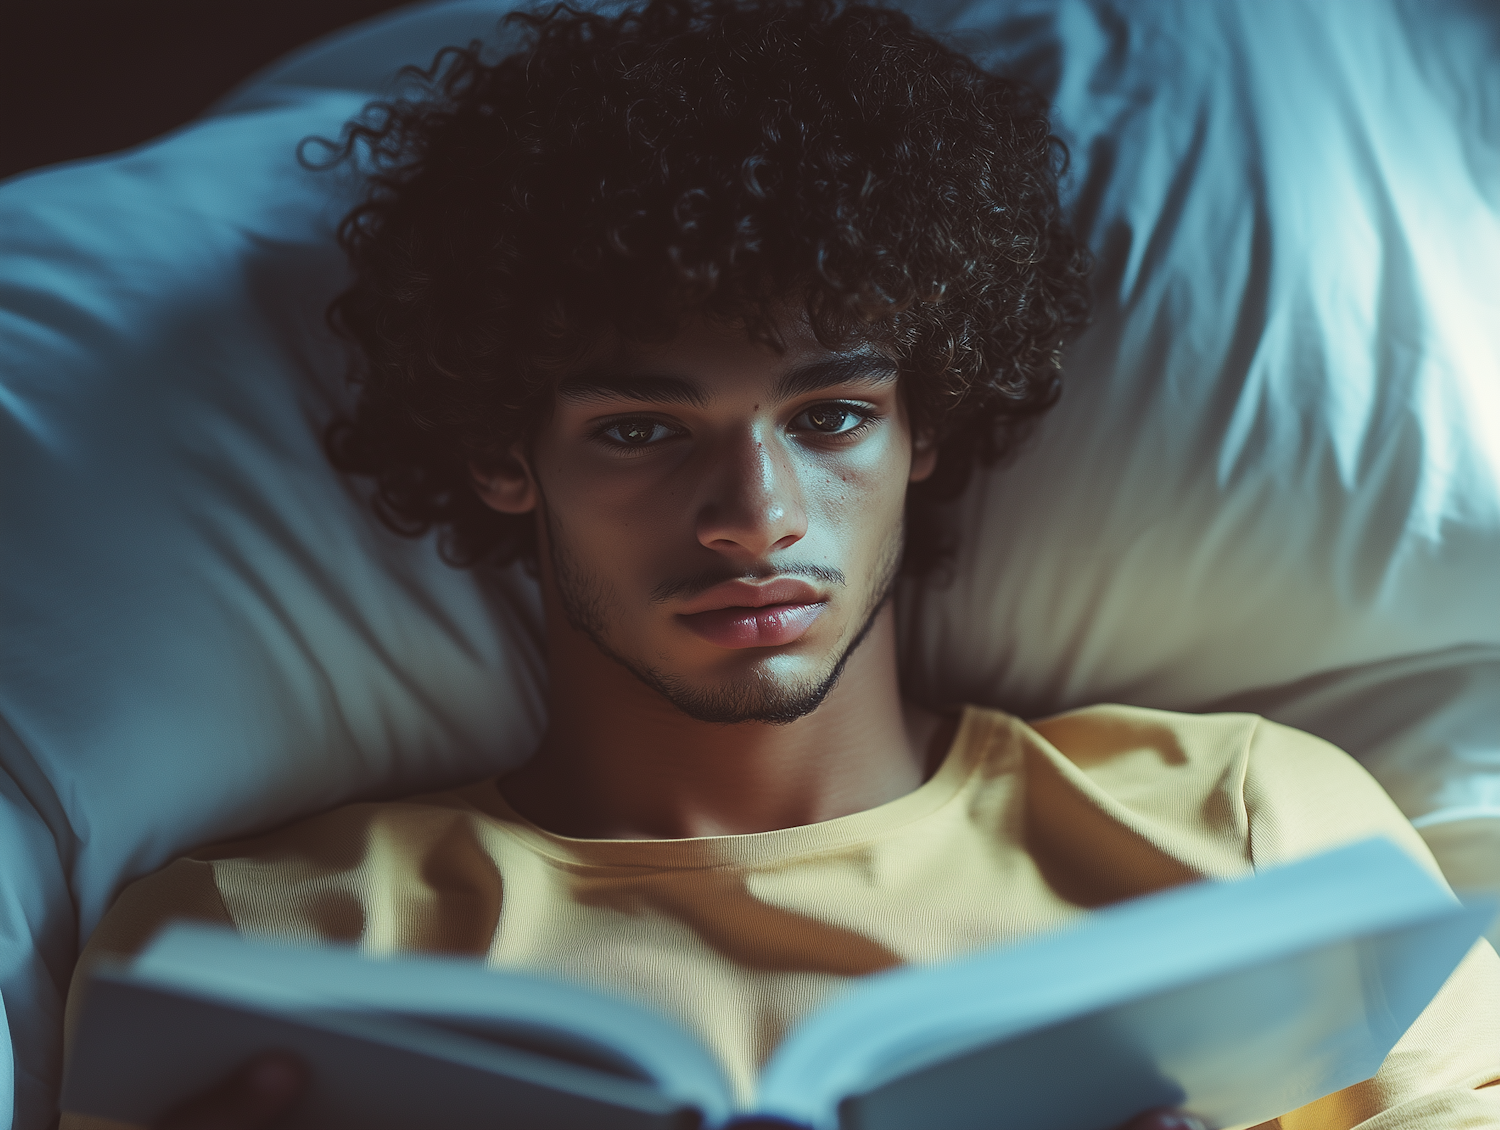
1273	484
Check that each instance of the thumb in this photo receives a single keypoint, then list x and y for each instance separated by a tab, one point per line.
255	1094
1165	1119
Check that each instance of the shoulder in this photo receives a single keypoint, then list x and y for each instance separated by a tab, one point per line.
1116	741
1280	792
217	882
396	874
343	837
356	873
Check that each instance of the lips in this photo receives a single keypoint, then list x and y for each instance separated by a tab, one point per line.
738	614
771	625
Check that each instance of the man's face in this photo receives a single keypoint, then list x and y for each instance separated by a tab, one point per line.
723	519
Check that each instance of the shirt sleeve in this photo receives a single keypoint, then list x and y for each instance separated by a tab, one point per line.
182	890
1302	796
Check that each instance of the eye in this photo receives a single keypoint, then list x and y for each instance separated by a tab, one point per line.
832	419
636	433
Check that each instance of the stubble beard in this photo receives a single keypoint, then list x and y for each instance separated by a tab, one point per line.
760	697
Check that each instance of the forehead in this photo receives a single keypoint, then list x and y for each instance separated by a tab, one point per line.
706	361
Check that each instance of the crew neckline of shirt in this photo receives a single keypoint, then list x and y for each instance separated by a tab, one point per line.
978	730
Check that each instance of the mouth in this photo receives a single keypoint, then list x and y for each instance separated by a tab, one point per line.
737	614
771	625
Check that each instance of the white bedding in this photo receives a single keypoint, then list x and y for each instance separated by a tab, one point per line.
1274	482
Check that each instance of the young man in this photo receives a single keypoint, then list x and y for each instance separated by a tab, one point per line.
703	309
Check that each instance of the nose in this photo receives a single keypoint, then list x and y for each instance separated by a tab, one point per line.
752	502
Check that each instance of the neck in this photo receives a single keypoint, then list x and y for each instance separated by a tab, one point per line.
618	761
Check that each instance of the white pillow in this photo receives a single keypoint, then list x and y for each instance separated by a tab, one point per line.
204	631
1280	449
1276	459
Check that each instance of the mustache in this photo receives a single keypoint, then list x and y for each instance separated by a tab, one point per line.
692	586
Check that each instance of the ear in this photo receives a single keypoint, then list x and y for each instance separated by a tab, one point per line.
508	486
924	454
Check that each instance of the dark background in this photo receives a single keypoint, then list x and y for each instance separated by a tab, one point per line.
82	77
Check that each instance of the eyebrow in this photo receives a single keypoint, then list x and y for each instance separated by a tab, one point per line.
653	388
859	368
646	387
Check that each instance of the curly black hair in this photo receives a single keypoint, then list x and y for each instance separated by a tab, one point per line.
719	158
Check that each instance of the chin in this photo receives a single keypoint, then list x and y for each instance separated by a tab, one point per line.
751	685
736	702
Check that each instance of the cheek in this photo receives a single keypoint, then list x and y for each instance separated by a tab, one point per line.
612	512
861	496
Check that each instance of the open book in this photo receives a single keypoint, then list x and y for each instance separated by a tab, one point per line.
1237	1000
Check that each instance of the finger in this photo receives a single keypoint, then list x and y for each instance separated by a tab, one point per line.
251	1097
1165	1119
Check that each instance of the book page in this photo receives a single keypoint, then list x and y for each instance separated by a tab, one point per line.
573	1023
1307	973
368	1071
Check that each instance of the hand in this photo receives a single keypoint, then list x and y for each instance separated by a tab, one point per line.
1165	1119
1152	1120
268	1085
251	1098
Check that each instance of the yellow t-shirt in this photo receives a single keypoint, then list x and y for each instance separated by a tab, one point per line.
1022	829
